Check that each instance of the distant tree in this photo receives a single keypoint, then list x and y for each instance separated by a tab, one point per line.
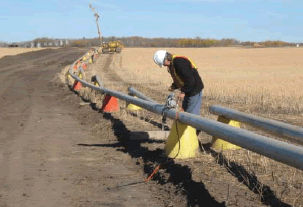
137	41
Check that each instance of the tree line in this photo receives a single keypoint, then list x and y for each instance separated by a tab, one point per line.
136	41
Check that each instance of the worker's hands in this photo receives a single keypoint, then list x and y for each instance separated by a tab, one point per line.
180	101
181	96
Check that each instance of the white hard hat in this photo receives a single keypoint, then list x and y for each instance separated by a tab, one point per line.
159	57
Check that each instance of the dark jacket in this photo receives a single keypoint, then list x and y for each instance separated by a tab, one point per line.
192	81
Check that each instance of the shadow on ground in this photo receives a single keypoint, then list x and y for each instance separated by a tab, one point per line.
180	176
267	196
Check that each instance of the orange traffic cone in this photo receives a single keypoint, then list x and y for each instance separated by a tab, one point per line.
110	104
77	85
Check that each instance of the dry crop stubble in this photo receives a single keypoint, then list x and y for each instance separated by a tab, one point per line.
265	78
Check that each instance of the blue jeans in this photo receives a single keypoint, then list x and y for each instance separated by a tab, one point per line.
192	104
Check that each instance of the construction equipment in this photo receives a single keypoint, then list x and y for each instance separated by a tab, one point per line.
97	17
112	46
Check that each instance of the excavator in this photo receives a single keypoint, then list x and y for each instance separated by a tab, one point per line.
112	46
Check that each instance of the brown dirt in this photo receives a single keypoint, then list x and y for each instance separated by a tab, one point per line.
47	156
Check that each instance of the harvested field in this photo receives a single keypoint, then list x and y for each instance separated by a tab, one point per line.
15	51
265	78
249	80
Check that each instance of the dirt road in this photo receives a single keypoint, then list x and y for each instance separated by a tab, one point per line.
42	156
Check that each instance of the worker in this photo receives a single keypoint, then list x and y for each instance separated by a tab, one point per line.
185	78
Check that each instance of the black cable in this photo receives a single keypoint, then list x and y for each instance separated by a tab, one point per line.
178	139
164	115
178	133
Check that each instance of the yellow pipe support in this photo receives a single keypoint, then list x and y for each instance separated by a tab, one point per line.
133	107
182	142
81	74
96	84
220	144
67	76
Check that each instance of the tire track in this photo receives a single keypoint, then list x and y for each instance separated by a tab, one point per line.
8	63
27	141
27	64
12	77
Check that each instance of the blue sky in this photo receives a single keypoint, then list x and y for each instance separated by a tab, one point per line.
244	20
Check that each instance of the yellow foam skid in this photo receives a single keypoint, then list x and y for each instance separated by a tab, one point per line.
133	107
186	137
221	144
90	60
